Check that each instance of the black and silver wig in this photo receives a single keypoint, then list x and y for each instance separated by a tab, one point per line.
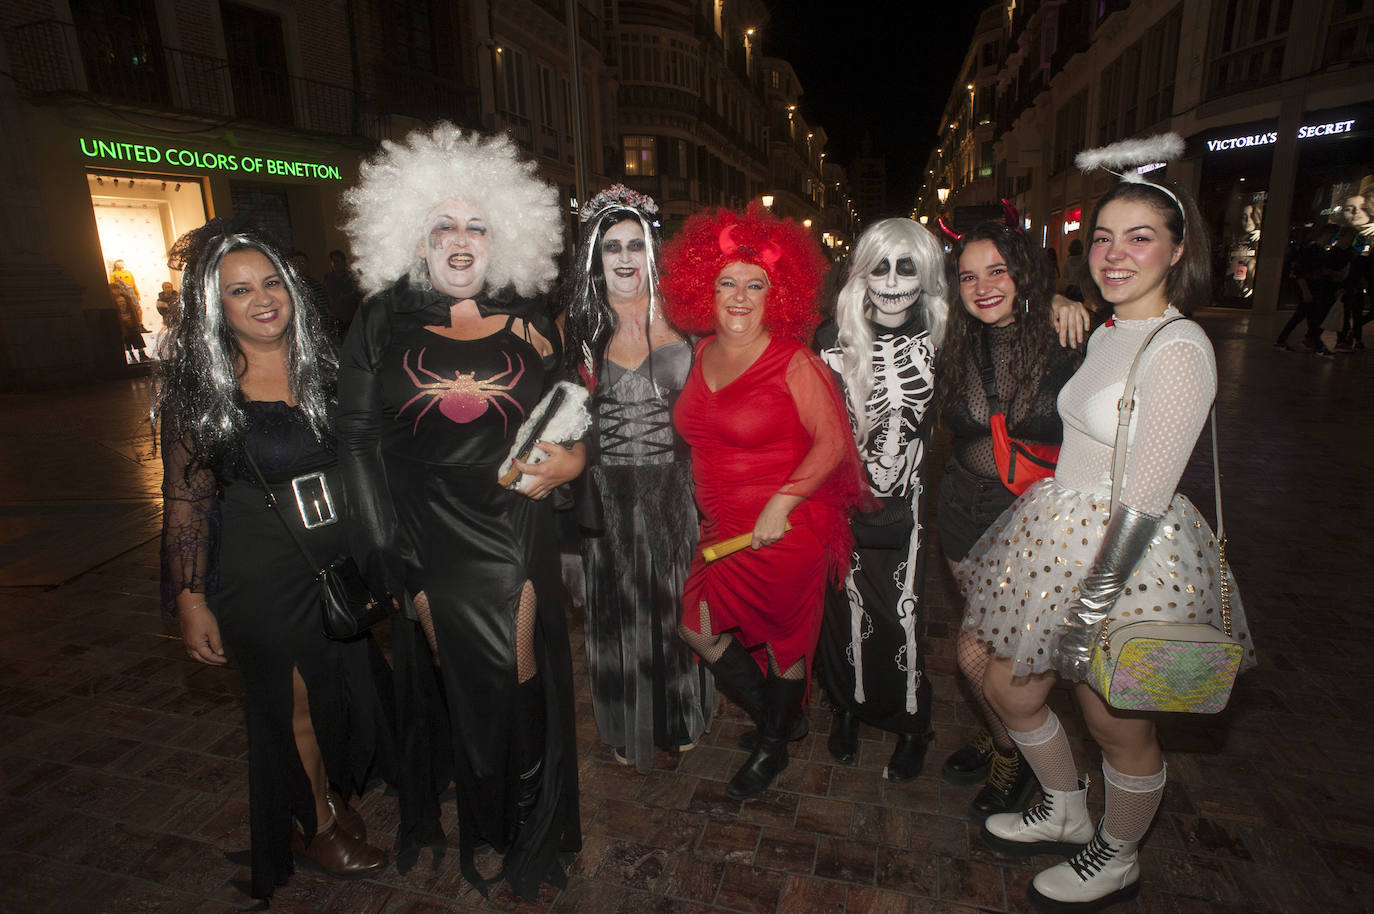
197	390
590	321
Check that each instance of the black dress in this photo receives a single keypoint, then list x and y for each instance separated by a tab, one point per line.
220	538
425	421
647	688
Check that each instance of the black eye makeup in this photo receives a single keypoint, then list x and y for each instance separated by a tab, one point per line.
882	268
905	267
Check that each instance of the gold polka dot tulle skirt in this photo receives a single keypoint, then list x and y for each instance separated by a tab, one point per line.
1024	571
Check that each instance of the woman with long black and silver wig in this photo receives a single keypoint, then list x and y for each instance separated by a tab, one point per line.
247	379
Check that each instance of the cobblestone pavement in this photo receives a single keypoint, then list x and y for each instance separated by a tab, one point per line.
123	773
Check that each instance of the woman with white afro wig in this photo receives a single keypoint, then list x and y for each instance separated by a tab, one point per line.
452	233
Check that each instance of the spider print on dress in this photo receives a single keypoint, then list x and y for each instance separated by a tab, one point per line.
463	398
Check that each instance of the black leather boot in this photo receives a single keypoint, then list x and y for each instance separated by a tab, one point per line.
1010	785
969	764
909	757
526	752
739	677
844	737
781	705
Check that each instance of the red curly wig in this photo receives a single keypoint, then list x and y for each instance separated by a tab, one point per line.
712	240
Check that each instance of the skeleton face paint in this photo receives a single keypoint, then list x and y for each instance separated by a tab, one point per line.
894	285
624	261
456	249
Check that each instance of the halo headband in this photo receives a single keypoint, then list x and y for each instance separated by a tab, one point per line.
1124	159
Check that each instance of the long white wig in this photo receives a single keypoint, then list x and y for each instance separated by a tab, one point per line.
851	308
400	186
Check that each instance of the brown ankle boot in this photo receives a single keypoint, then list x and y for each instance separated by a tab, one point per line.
337	852
348	818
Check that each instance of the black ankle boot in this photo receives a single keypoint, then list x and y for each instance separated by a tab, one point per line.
969	764
781	704
844	737
1010	785
526	752
909	757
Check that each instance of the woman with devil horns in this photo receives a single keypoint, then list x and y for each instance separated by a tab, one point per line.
773	462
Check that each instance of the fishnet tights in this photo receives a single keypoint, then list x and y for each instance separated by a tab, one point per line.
525	664
974	657
710	647
1131	802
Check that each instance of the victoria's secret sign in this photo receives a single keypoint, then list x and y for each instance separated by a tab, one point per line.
1271	137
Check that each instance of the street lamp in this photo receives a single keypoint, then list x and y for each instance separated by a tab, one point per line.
767	201
806	222
924	218
943	194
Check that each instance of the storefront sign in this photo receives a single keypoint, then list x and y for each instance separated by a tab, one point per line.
174	156
1270	137
1072	220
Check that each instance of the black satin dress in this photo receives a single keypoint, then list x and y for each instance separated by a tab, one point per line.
425	421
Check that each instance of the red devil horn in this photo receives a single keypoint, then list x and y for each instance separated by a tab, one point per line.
950	233
770	254
1010	216
727	245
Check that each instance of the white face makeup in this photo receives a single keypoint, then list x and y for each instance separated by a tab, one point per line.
625	262
893	285
456	249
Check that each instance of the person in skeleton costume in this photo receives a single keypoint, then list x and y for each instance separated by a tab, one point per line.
638	518
453	234
889	322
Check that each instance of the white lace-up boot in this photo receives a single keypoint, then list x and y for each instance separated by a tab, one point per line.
1104	873
1058	824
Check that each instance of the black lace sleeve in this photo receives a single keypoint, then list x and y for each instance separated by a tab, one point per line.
190	525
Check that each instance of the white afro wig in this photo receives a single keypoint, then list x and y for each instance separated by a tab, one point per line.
400	186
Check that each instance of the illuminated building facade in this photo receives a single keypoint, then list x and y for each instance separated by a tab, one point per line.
1275	102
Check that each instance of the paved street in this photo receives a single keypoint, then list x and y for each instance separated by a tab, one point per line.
123	776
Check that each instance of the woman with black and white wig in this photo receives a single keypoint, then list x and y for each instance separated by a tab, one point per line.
453	234
1055	567
246	375
640	523
889	323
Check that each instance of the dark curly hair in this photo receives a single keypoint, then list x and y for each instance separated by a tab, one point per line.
712	240
1034	334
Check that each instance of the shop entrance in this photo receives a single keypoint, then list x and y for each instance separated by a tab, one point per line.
138	218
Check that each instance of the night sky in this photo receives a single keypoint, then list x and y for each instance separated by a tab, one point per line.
881	67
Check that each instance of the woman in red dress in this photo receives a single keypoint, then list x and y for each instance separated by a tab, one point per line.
771	447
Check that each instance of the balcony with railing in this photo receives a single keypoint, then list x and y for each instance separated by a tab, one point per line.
53	58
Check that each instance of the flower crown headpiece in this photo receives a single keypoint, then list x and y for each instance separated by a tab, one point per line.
1124	159
618	195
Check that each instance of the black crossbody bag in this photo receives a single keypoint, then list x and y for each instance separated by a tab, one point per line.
348	608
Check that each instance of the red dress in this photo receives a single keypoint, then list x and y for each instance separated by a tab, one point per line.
779	427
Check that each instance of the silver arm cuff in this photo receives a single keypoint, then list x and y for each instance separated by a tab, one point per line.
1128	536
